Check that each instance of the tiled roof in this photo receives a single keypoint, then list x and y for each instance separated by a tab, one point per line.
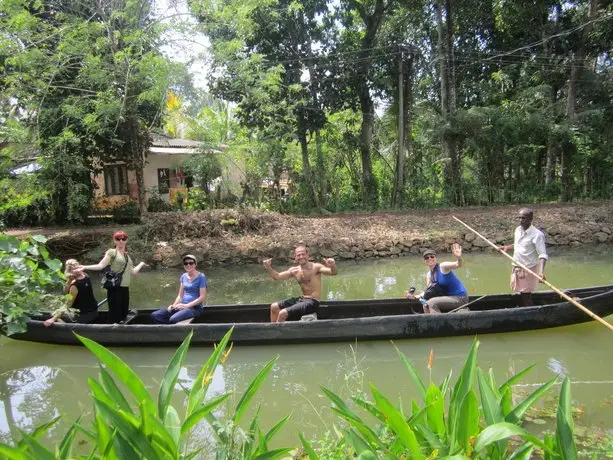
161	140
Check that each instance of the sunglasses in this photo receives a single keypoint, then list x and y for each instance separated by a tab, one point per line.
189	262
430	256
122	238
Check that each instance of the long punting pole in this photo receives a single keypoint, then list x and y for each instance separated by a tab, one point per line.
543	280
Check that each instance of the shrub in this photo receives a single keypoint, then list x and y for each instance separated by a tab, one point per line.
127	213
27	274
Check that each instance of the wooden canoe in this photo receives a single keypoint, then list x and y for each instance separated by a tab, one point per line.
348	320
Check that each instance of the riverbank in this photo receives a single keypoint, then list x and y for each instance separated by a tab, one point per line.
245	236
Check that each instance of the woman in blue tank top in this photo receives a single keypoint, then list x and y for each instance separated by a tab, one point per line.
190	300
452	293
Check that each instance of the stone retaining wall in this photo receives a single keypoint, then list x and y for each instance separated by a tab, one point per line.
216	251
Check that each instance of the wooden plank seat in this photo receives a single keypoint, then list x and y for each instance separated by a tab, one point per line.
309	317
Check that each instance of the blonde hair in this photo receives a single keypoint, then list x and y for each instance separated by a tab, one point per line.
70	264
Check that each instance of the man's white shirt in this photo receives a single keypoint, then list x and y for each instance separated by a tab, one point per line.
529	246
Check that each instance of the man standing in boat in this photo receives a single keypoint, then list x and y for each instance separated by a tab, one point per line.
308	275
528	250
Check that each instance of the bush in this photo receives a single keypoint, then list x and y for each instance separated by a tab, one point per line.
127	213
24	203
156	203
27	273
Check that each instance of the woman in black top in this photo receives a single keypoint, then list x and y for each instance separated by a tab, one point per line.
79	285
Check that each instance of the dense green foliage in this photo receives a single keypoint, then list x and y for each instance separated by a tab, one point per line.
452	422
498	102
81	83
502	102
28	279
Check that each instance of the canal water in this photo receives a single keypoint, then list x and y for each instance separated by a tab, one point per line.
39	382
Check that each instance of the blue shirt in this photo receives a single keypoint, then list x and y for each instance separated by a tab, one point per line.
449	282
191	289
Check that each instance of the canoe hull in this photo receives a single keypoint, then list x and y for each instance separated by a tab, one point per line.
396	326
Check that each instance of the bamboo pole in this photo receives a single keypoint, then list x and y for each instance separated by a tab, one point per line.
542	279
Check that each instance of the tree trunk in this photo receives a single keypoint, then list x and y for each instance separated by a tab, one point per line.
321	169
408	107
444	47
450	59
369	197
306	164
571	106
139	148
399	185
319	158
372	23
442	61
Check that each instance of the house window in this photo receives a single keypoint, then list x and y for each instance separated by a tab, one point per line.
163	180
116	180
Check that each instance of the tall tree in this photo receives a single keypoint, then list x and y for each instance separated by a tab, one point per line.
91	83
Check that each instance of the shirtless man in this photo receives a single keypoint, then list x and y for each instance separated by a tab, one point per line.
308	274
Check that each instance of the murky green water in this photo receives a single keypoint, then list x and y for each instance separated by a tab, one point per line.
38	382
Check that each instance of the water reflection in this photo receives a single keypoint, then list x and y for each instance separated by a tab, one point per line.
39	382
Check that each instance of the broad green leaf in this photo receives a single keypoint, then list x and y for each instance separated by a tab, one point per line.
99	392
39	451
308	448
367	455
171	375
251	391
516	378
205	376
343	411
275	429
359	444
203	411
12	453
523	452
463	385
435	410
127	430
42	239
421	387
489	402
518	412
173	423
397	423
490	405
468	421
42	429
53	264
564	423
504	430
275	453
254	429
367	406
125	374
430	437
113	391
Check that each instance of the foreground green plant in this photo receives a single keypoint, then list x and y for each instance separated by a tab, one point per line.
469	427
128	423
27	277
